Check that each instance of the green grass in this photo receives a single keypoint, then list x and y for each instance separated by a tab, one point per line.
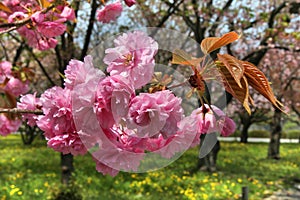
32	172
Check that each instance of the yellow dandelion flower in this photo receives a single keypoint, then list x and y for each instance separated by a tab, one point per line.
133	175
46	184
204	196
270	182
13	191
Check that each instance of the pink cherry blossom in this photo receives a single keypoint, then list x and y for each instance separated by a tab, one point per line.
36	39
45	26
5	70
186	137
113	96
227	126
109	12
189	128
130	3
214	120
51	29
67	13
78	72
67	143
159	112
37	17
16	87
118	150
132	57
56	106
8	126
58	123
29	102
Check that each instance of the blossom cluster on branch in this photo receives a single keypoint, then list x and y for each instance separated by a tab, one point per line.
39	22
13	83
108	116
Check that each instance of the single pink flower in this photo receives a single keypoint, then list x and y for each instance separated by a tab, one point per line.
29	102
156	113
51	29
45	43
132	57
78	72
16	86
214	120
67	13
227	126
109	12
130	3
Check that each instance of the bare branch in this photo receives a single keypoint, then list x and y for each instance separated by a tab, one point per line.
41	66
20	111
215	25
89	29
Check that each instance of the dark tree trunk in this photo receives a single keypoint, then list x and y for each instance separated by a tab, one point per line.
274	146
66	168
244	133
209	149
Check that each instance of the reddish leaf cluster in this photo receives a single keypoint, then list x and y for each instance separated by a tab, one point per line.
236	75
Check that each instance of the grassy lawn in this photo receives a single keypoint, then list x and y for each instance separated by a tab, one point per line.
32	172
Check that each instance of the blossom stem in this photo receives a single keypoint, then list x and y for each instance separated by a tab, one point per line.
178	85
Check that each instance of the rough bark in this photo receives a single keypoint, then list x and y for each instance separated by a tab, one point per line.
274	145
66	168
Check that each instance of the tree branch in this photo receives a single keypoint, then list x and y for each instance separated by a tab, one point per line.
41	66
18	53
21	111
172	8
89	29
215	25
17	24
4	50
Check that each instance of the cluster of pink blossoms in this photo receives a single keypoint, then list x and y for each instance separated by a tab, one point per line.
11	86
112	11
104	114
44	26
